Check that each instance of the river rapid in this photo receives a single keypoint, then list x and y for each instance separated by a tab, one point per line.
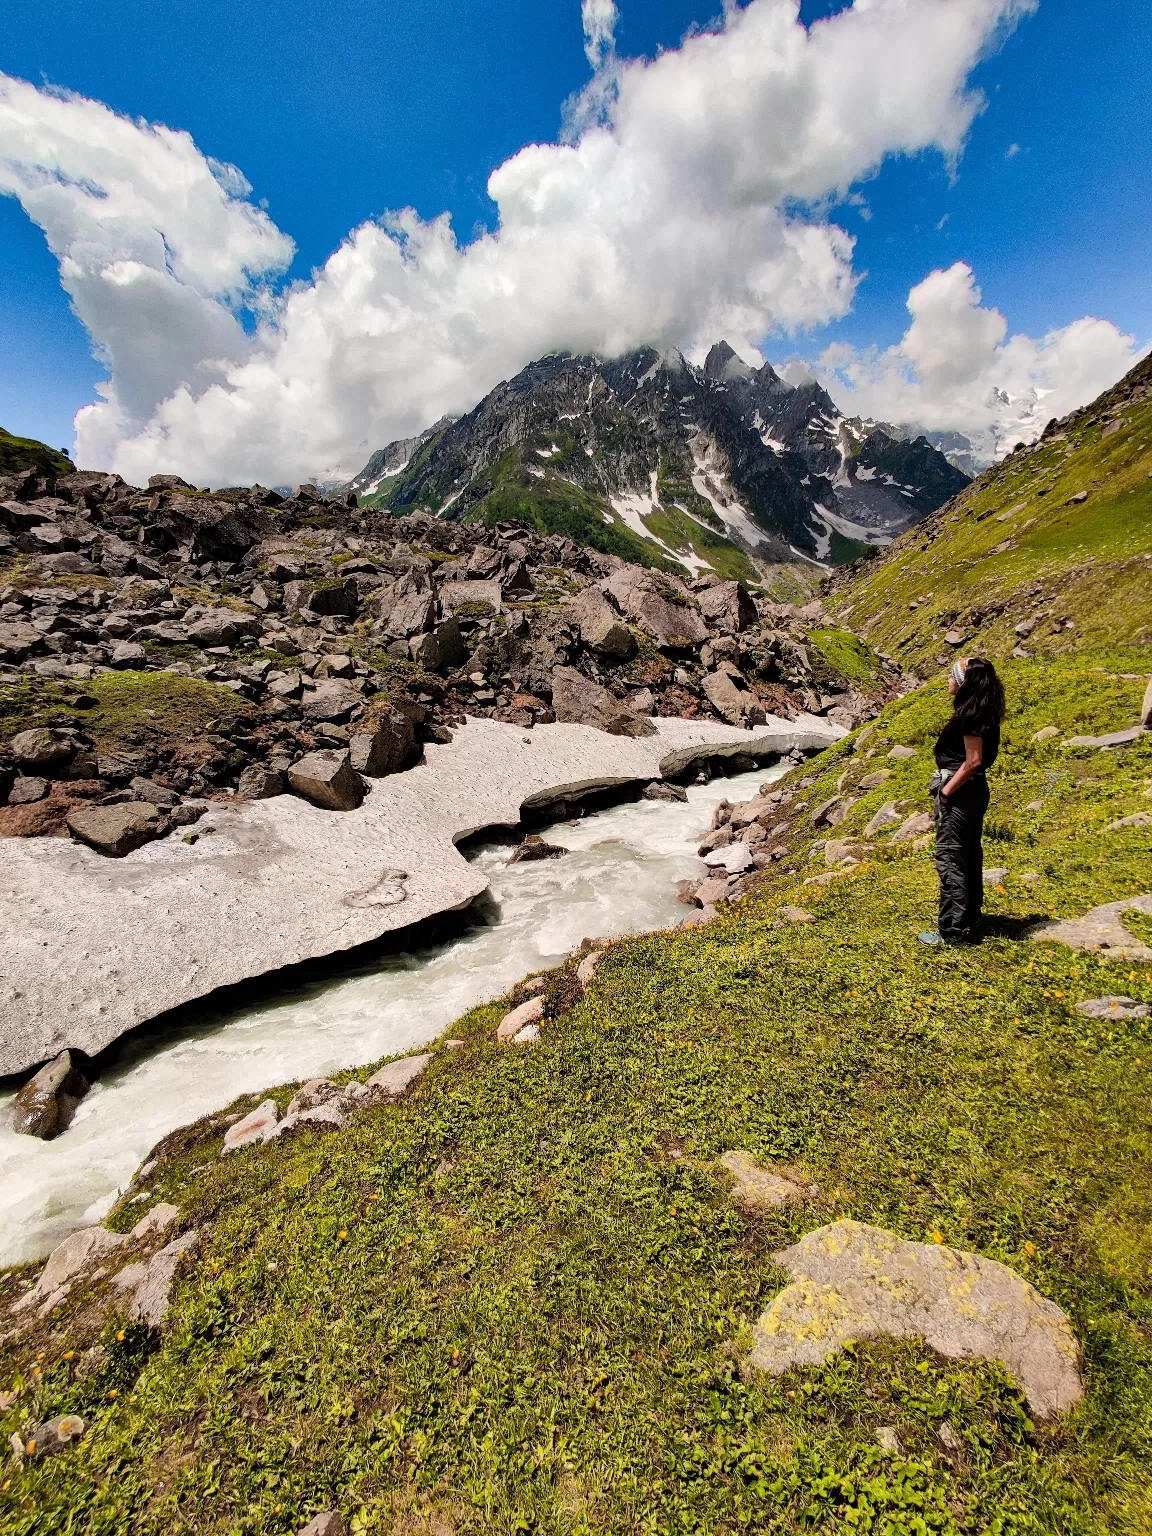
620	877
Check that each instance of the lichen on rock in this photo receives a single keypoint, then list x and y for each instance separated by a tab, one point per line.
851	1281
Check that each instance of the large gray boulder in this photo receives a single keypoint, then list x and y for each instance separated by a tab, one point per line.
441	650
407	607
260	783
851	1281
328	780
472	596
333	600
45	1105
660	605
729	699
148	1286
129	655
115	830
257	1125
218	627
601	628
577	700
18	641
394	1080
331	700
26	789
78	1252
1101	930
385	742
728	607
43	752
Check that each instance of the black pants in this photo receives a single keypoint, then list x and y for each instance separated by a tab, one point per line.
960	859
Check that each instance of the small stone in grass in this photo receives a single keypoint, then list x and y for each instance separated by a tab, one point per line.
1113	1008
398	1076
796	915
55	1435
529	1035
888	1439
994	876
1140	819
949	1439
327	1524
258	1125
530	1012
874	780
587	967
762	1187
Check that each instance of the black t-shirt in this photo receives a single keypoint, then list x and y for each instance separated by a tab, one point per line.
950	746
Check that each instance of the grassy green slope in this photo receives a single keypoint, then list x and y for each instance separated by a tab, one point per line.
545	499
554	505
1014	546
120	708
517	1300
17	453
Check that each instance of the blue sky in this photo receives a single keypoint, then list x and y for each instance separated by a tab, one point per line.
336	110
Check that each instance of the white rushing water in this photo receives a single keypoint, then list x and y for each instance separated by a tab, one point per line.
620	877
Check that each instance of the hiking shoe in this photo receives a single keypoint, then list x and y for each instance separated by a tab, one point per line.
931	938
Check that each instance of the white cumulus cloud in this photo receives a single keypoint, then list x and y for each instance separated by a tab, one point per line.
672	215
957	369
158	245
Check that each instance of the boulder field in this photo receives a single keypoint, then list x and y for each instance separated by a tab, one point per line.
165	646
96	945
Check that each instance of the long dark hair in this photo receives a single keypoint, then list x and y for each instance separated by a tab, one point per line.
979	702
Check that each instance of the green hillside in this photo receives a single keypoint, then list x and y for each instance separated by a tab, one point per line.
1060	532
520	1299
542	497
17	453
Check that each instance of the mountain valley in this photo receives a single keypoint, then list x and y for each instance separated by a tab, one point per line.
723	467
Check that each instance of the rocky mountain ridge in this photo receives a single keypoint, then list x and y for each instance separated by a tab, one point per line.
165	645
646	456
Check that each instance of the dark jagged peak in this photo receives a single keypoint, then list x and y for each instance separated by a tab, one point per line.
650	458
628	374
723	364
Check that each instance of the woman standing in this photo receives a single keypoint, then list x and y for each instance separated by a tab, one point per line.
965	749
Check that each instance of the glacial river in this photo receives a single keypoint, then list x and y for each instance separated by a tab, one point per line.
620	877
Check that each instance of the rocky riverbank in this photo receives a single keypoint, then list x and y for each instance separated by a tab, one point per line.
165	647
98	946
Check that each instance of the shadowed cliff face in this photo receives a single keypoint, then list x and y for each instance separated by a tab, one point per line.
681	460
